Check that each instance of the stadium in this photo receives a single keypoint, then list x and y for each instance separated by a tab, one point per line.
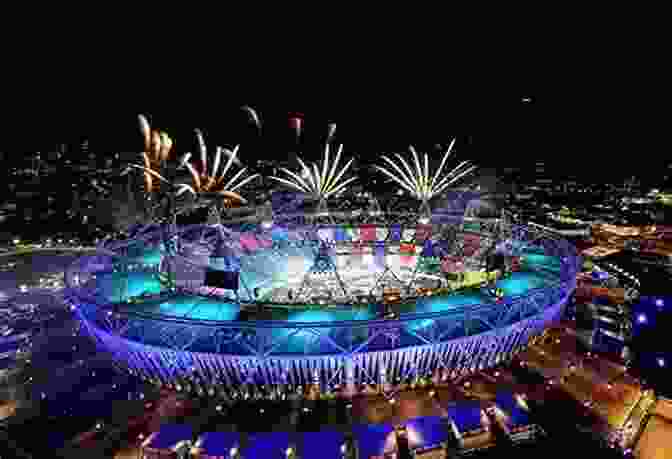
292	305
326	298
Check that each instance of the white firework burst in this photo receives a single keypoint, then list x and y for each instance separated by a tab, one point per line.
213	181
319	184
420	183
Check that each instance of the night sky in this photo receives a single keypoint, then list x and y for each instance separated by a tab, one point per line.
580	133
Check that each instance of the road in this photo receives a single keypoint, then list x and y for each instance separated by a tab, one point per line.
47	249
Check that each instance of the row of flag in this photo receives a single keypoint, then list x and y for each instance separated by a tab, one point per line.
408	239
395	234
365	233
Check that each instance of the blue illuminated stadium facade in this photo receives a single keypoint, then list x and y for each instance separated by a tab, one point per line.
210	348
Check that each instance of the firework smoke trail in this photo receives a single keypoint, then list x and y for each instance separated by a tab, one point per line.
296	123
145	130
253	116
331	131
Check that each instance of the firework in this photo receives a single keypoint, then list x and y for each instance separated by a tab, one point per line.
319	185
420	183
213	181
253	116
296	123
331	130
157	147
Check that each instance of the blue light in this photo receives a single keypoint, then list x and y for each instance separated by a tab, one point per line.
641	318
661	362
659	303
600	275
140	350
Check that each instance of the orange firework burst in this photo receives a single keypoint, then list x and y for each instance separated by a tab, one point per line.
157	149
204	181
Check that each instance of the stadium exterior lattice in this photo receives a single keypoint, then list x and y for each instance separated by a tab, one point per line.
330	305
